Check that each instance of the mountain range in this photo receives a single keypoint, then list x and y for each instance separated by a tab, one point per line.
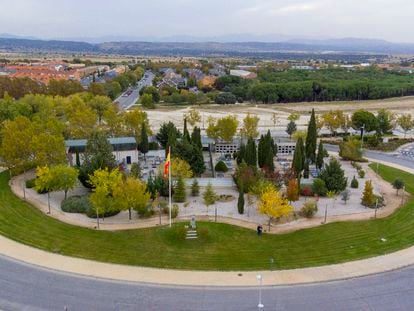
242	44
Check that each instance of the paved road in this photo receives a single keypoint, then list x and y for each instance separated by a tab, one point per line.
126	102
24	287
387	157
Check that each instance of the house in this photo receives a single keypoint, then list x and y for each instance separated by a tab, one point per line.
243	74
124	149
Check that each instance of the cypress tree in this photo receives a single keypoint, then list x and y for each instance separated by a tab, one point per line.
298	158
241	154
240	201
186	134
196	138
311	139
144	146
251	153
77	158
321	154
261	150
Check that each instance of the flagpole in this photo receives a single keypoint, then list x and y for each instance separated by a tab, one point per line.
169	184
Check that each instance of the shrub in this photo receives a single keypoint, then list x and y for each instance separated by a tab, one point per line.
361	173
350	150
373	140
309	209
76	204
203	233
153	145
221	167
334	176
177	233
345	195
354	183
368	198
145	212
30	183
91	213
174	211
306	191
319	187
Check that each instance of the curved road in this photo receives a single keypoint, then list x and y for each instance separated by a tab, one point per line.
26	287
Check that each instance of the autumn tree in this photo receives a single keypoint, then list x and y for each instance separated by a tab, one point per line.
193	116
64	178
134	122
406	122
81	119
100	104
334	120
103	184
130	194
273	204
250	124
45	182
224	128
368	198
292	191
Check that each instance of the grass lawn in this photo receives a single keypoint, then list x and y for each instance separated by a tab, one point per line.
224	247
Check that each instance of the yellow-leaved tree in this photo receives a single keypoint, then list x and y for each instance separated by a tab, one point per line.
131	193
273	204
104	183
180	168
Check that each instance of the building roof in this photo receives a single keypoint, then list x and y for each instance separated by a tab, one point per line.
112	141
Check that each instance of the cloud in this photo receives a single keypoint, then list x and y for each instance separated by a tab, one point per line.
296	8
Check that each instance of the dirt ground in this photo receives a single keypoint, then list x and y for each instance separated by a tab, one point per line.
282	111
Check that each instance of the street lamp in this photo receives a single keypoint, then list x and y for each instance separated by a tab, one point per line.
260	306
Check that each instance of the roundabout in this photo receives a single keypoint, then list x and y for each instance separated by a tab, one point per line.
237	276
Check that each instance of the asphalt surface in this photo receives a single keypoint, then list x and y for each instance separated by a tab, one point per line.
26	287
125	102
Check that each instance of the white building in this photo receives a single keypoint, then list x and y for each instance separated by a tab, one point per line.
125	149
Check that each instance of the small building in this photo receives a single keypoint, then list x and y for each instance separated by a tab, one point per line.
124	149
286	148
243	74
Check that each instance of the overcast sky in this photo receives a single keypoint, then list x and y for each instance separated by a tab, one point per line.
382	19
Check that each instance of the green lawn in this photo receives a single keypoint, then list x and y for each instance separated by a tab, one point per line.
225	247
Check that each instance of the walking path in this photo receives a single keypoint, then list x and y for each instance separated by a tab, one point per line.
89	268
227	212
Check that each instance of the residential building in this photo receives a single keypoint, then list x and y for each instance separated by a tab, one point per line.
243	74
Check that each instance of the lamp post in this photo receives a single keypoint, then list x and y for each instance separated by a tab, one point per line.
260	306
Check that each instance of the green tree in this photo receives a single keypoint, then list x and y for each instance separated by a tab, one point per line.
135	171
311	138
195	188
350	150
320	156
240	201
100	104
291	128
298	163
366	119
251	153
179	191
97	155
167	130
398	184
385	119
334	176
143	145
147	101
209	196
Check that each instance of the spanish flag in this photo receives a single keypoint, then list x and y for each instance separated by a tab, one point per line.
167	163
